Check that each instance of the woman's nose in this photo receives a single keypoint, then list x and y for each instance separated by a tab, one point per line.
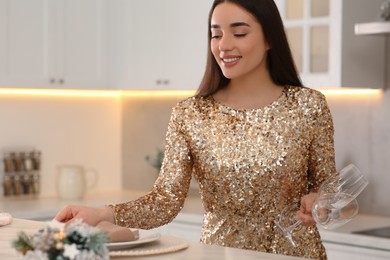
225	43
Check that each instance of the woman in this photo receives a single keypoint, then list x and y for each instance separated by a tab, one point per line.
253	137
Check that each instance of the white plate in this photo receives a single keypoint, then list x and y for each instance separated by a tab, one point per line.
166	244
145	236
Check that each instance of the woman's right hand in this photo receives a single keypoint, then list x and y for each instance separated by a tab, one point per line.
304	214
91	216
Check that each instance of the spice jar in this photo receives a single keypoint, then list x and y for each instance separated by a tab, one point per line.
36	183
18	184
19	161
8	184
8	162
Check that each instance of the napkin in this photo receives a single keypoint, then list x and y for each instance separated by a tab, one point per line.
5	218
118	233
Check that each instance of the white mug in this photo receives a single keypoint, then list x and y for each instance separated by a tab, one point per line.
72	181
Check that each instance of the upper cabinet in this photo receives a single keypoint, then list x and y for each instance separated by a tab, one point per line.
158	44
162	44
53	43
326	50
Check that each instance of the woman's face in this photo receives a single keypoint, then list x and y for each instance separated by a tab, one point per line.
237	41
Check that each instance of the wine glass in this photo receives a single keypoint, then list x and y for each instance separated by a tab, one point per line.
334	206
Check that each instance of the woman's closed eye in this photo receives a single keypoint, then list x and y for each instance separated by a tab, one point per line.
237	35
216	36
240	35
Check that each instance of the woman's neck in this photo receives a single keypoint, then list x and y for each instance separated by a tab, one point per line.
249	93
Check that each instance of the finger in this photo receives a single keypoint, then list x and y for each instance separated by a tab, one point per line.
306	219
302	209
64	215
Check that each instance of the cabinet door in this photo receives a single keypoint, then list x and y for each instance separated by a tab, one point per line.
81	41
342	252
185	42
138	43
160	44
189	232
3	41
53	43
186	226
25	46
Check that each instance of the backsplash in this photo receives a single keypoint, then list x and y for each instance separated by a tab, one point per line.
67	130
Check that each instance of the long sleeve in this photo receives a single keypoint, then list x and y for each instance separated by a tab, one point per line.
164	201
321	153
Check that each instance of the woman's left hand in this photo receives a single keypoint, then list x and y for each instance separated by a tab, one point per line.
304	212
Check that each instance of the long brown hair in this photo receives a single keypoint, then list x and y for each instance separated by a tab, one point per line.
279	59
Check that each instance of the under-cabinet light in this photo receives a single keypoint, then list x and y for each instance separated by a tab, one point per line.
154	93
158	93
60	92
351	91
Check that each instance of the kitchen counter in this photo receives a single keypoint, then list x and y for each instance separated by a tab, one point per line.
344	235
196	251
46	208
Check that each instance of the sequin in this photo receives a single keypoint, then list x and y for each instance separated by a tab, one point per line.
249	165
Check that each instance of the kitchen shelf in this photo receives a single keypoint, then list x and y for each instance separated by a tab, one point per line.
372	28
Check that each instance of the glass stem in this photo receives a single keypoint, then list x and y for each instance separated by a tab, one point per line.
289	231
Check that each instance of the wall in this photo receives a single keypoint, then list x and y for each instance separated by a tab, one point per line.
68	130
145	121
362	137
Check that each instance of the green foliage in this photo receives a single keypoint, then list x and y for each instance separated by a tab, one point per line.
22	243
157	160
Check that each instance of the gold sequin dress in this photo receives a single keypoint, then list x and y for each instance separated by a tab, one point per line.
249	165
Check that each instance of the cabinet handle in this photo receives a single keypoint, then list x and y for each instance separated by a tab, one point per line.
61	81
52	81
162	82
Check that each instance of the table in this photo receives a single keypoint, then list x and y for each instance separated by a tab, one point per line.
195	251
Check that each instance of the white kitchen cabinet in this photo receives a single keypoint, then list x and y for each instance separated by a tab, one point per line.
186	226
53	43
159	44
3	33
342	252
325	48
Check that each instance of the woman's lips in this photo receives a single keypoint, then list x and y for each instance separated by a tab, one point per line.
230	61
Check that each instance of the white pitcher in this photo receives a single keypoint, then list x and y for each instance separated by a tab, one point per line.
72	181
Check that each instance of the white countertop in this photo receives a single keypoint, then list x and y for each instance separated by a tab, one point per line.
45	208
195	251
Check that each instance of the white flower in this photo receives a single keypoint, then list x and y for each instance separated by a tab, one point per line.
71	251
35	255
84	229
90	255
56	225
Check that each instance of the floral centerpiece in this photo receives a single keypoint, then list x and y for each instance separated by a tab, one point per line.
58	241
